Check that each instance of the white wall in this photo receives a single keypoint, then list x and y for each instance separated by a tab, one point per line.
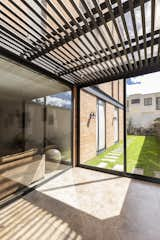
140	115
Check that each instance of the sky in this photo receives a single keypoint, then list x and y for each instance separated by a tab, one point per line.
60	100
149	83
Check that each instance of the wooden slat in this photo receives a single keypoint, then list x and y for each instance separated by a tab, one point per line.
73	39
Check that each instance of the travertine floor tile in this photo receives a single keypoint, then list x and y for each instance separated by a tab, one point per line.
81	204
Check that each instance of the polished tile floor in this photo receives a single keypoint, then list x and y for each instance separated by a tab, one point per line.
84	204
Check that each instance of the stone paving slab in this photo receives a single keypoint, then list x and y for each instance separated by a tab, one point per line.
114	157
139	171
157	174
114	154
118	167
102	165
118	151
108	160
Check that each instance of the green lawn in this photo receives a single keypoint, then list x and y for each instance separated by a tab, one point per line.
142	152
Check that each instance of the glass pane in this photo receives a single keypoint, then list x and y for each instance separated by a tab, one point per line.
143	124
101	126
35	127
58	131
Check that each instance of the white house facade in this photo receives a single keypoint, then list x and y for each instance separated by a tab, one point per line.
143	109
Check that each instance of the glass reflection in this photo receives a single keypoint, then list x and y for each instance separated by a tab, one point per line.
35	139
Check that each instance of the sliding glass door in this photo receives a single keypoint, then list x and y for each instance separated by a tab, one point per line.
105	122
101	126
143	125
35	128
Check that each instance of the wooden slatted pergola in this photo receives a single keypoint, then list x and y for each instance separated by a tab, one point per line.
84	42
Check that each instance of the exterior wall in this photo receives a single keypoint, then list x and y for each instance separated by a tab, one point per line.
140	115
121	125
106	87
88	104
121	90
109	125
115	89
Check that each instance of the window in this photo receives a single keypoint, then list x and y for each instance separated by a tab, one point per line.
147	101
100	135
135	101
158	103
142	126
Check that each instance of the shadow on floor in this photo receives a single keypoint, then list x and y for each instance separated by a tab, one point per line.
111	208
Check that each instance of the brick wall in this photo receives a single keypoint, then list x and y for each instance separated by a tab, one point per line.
106	87
87	128
121	91
121	122
109	125
88	104
115	90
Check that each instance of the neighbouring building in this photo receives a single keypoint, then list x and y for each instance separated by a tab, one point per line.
143	109
101	118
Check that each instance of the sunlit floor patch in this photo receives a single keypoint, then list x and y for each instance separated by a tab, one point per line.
83	204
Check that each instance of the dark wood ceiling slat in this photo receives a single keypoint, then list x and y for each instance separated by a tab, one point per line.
152	27
144	30
110	35
118	33
134	49
93	34
81	48
131	7
81	31
94	37
62	29
126	31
